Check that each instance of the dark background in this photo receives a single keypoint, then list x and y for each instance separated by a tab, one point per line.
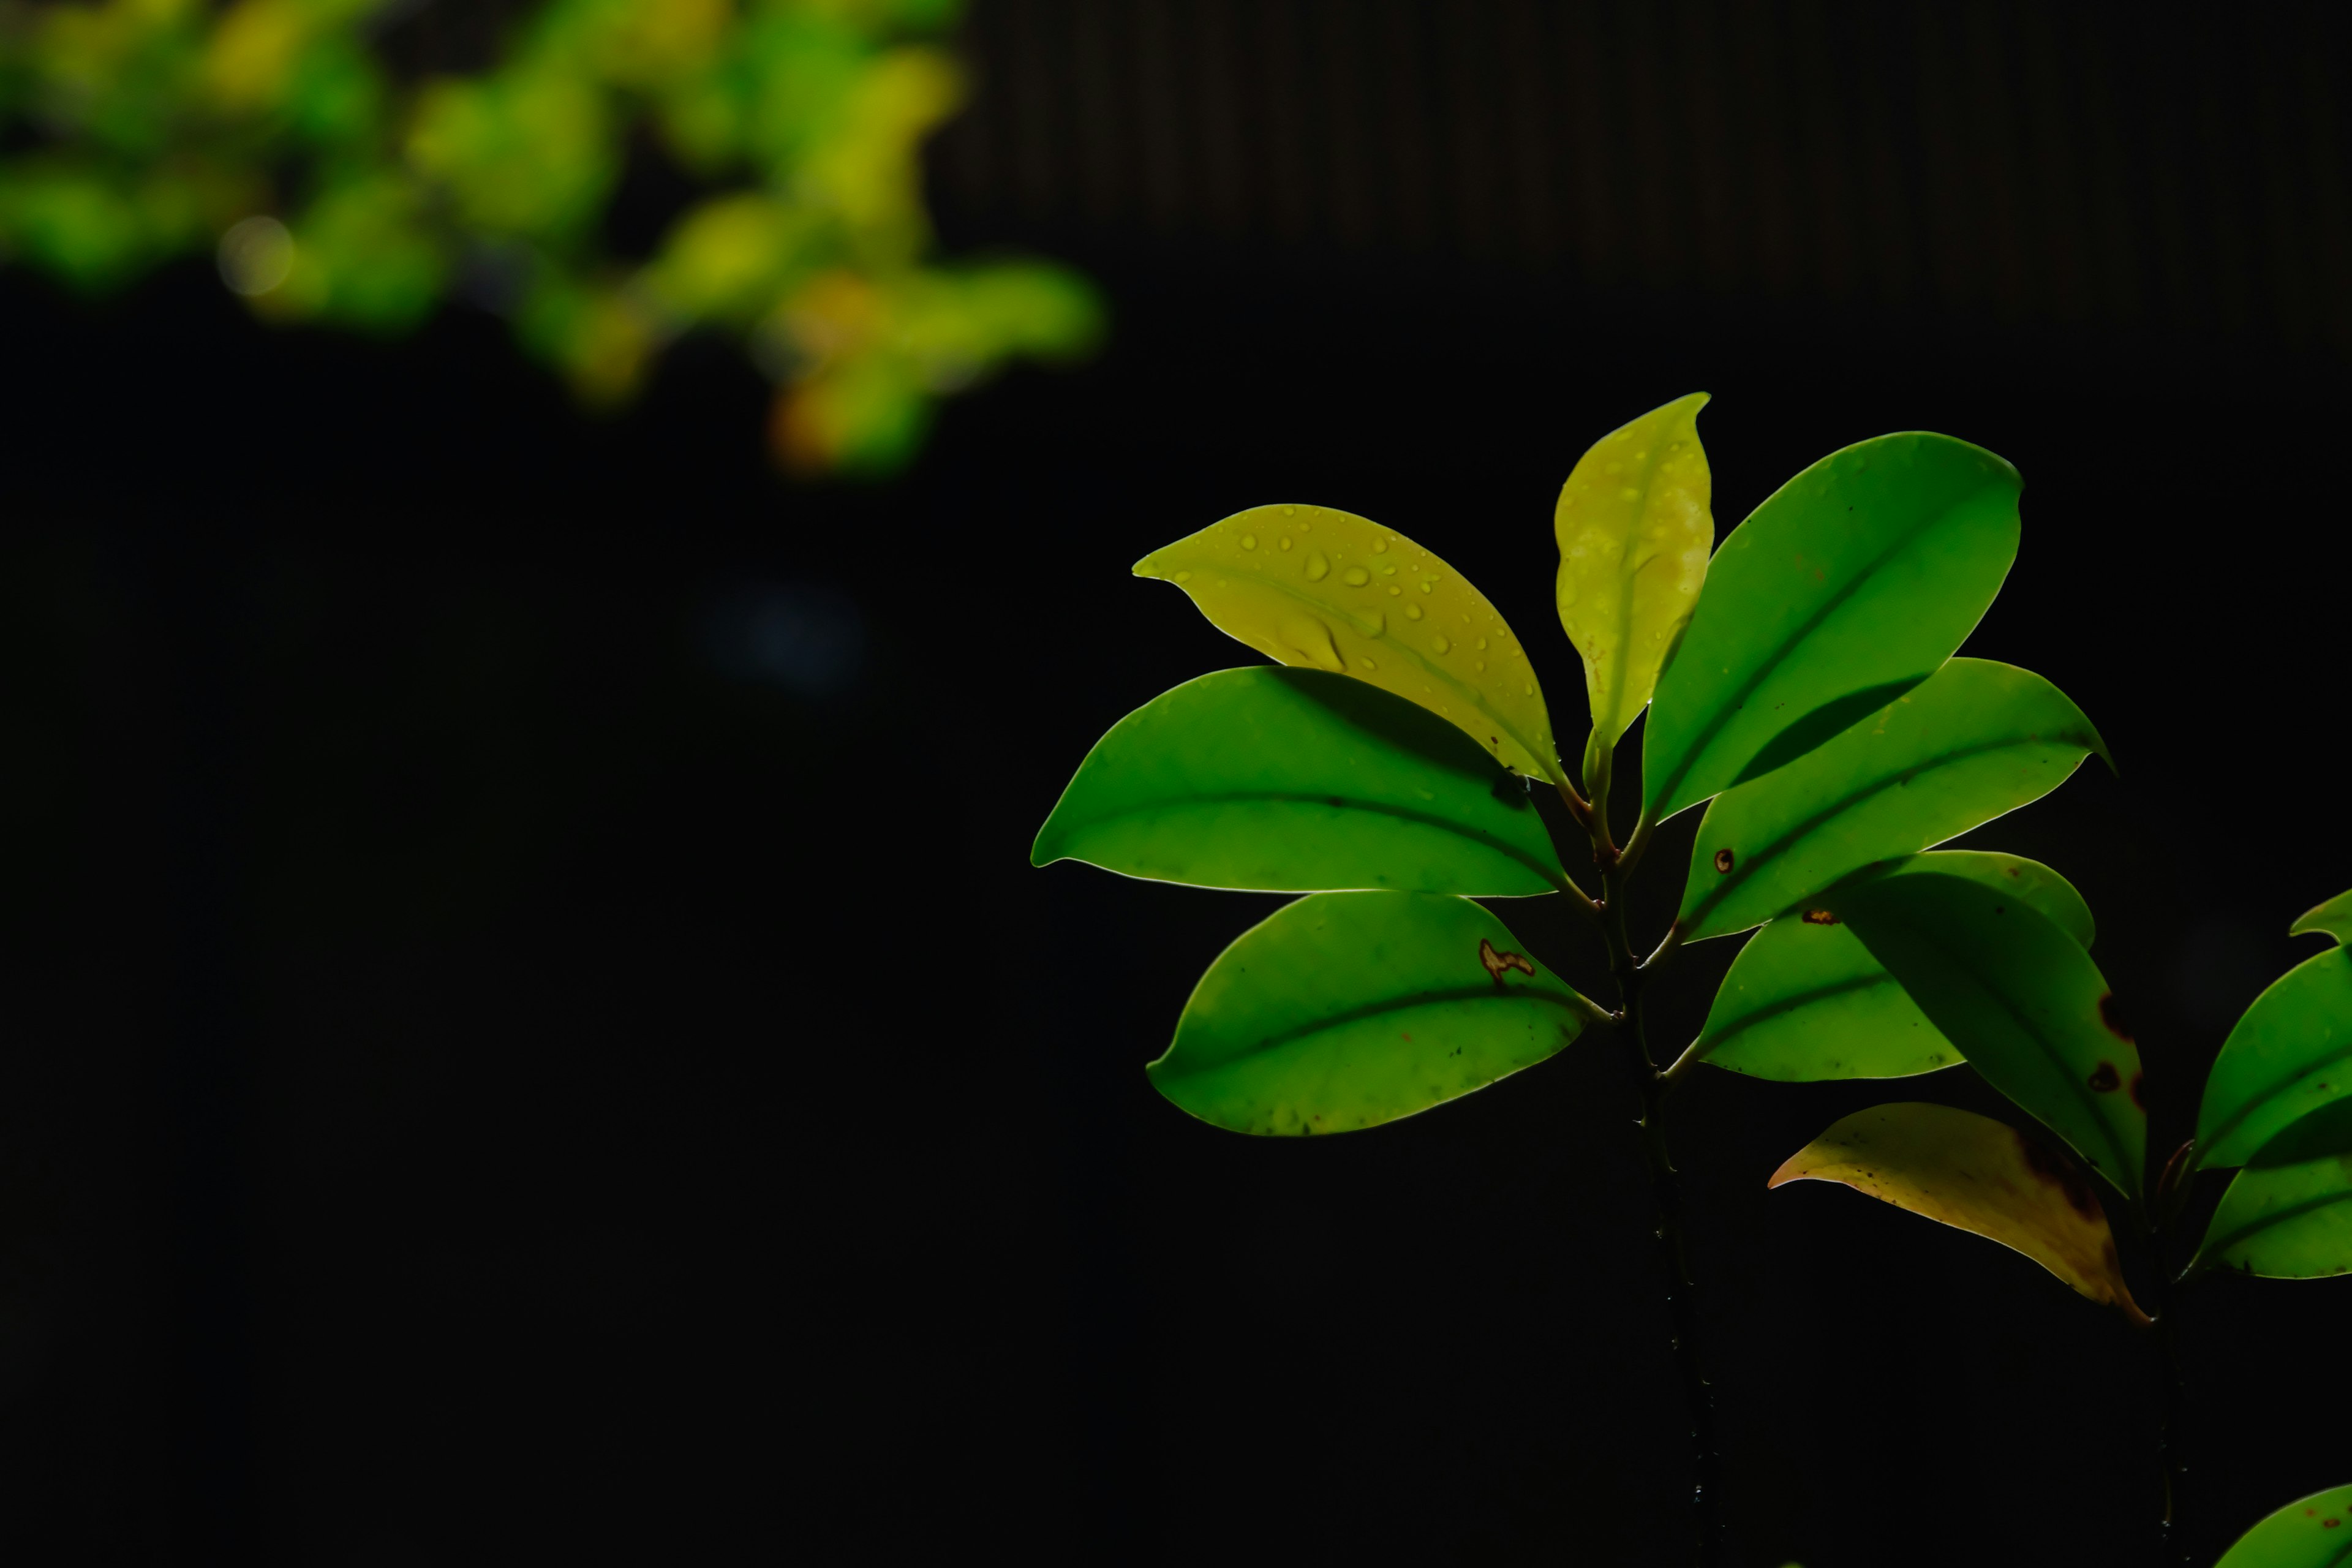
530	1029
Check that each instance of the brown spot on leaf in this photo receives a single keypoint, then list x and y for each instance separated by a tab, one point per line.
1820	918
2104	1079
1498	963
1723	859
2057	1170
2137	1078
2113	1017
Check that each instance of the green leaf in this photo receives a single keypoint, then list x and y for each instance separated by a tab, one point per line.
1329	590
2022	1000
1634	529
1980	1175
1851	583
2288	1215
1973	742
1347	1010
2333	918
1805	1001
2309	1532
2289	1054
1295	781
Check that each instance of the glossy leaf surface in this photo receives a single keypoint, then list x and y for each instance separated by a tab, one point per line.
2020	999
1328	590
1295	781
1975	741
2288	1215
1347	1010
2333	918
1806	1001
2309	1532
1980	1175
2290	1054
1849	585
1634	529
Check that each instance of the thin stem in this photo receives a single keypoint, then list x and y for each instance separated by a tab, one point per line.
2171	1548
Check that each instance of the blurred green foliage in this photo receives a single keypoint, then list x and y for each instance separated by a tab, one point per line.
333	187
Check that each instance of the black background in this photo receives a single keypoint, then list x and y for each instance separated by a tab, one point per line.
530	1029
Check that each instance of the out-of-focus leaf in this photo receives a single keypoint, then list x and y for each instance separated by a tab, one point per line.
1805	1000
2290	1053
1976	1174
2022	1000
1851	583
1347	1010
2334	918
2288	1215
1329	589
1296	781
1634	529
1973	742
2309	1532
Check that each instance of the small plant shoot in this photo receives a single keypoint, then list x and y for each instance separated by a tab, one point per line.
1802	683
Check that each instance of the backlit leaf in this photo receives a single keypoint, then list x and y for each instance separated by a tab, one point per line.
1329	590
2289	1054
1634	529
1295	781
1849	585
2020	999
2288	1215
2309	1532
1805	1000
2333	918
1976	1174
1973	742
1347	1010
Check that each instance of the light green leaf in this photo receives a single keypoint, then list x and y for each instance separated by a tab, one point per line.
2309	1532
1805	1001
1347	1010
1295	781
2020	999
1973	742
1329	590
1980	1175
2288	1215
1634	529
2289	1054
1849	585
2333	918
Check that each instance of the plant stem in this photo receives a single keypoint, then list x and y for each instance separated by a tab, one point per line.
2171	1549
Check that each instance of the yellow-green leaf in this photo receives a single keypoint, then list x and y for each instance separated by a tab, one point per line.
1310	585
2333	918
2309	1532
1634	529
1981	1176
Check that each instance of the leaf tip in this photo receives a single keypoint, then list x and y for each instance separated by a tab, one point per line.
1793	1169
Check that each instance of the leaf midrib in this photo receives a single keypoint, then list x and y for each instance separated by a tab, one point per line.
1485	991
2278	1218
1551	873
1790	1004
2280	1087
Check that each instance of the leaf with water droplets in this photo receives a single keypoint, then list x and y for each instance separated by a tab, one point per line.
1977	1174
1804	1001
2333	918
1346	1010
2290	1053
2309	1532
1634	529
1295	781
1851	583
1326	605
2288	1215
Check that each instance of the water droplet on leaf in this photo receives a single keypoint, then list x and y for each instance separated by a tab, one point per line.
1317	568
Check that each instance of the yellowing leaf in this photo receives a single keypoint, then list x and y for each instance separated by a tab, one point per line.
1310	585
1634	530
1973	1173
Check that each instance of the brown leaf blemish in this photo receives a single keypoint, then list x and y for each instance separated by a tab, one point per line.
2054	1168
1497	964
2137	1078
2104	1079
1723	859
1820	918
2113	1017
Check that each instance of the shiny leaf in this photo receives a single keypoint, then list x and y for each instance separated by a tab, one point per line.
2289	1054
1972	742
1849	585
1805	1001
1347	1010
2288	1215
1329	590
2333	918
1634	529
2309	1532
2022	1000
1295	781
1976	1174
